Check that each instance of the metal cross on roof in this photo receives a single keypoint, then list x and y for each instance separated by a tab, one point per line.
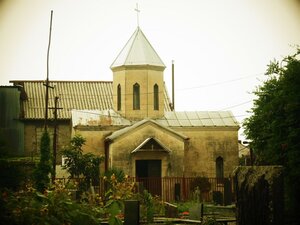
137	13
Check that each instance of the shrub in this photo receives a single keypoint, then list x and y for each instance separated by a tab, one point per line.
117	192
14	173
52	207
86	166
41	174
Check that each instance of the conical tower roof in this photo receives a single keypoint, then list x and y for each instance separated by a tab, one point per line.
138	51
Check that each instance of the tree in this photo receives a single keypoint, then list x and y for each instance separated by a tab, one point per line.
81	165
274	127
41	174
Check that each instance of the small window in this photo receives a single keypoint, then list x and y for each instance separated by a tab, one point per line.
136	96
219	167
119	98
156	97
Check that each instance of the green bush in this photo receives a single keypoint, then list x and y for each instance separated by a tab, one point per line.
209	221
52	207
43	170
80	165
13	174
118	174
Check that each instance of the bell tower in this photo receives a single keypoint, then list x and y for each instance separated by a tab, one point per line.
138	84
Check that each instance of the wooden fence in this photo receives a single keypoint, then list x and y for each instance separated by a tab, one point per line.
172	189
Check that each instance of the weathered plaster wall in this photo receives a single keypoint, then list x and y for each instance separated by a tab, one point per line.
193	157
95	139
33	132
172	163
205	145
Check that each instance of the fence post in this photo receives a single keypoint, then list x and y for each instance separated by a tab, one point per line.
177	191
184	188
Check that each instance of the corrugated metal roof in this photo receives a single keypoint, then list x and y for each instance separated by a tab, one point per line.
185	119
199	118
138	51
80	95
98	118
72	95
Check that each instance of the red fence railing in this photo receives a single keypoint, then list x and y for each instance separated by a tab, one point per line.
172	189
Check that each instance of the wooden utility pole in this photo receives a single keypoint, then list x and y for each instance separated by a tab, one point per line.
55	137
47	79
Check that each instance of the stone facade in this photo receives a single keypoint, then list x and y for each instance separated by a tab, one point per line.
146	77
206	145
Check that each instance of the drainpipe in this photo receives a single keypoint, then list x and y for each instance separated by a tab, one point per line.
106	155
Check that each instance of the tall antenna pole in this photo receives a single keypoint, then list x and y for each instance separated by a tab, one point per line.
47	79
173	94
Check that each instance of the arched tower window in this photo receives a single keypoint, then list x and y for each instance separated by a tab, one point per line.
119	98
219	167
136	96
156	97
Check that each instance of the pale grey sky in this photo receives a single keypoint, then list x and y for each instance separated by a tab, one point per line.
221	47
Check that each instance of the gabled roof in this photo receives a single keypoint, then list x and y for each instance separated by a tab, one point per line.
125	130
151	144
80	95
137	51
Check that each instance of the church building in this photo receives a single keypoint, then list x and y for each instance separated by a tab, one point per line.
130	120
142	135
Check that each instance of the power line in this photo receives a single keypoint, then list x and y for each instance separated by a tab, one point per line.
222	109
230	107
220	83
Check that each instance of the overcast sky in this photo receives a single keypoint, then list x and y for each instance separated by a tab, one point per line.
220	47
